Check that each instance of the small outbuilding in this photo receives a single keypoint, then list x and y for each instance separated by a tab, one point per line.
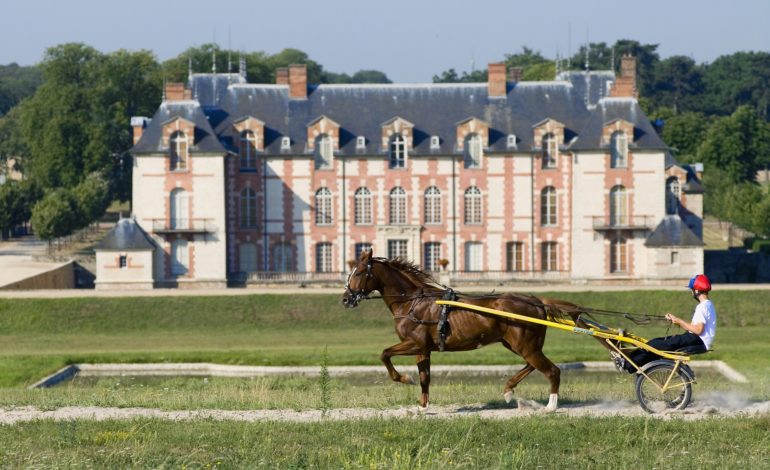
124	259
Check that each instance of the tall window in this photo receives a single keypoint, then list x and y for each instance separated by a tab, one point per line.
618	150
431	253
283	257
473	206
248	151
398	249
473	151
398	152
618	206
361	247
398	206
514	256
323	207
323	257
618	255
248	208
179	209
473	256
432	205
549	256
672	195
324	151
362	210
548	206
247	257
179	149
179	257
550	150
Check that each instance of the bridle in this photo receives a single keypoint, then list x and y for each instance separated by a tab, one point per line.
355	296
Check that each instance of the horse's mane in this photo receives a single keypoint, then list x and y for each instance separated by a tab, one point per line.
412	271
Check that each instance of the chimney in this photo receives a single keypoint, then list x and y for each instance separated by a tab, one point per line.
138	123
298	81
497	84
515	74
282	76
177	92
625	84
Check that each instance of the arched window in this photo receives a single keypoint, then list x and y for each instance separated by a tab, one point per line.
283	257
473	151
324	152
398	206
548	206
432	205
473	206
179	210
323	207
248	208
362	211
397	152
178	148
618	206
550	150
179	257
248	151
323	257
618	255
247	257
673	193
618	150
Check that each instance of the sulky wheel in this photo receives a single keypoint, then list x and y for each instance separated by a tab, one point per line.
676	395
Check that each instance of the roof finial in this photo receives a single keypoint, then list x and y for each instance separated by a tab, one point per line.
242	66
214	60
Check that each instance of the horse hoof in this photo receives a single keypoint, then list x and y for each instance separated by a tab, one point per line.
422	409
508	396
553	403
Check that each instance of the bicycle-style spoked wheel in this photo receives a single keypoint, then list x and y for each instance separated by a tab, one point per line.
653	398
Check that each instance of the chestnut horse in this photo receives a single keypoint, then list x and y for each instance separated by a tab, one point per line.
410	294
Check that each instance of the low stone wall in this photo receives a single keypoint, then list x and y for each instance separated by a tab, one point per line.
61	277
737	266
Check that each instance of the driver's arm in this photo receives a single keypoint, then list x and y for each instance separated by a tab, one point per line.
695	328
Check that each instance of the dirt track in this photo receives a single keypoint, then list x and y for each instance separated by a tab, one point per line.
710	406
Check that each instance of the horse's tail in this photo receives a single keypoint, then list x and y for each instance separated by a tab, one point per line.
559	310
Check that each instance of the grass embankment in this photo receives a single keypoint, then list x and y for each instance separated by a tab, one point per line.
537	442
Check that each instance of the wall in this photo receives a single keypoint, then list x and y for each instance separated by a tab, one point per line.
62	277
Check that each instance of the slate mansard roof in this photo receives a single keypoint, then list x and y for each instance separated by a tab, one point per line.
434	110
127	235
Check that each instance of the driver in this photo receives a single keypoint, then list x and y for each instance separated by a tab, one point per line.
699	332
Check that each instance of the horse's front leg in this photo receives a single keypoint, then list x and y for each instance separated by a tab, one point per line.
423	366
404	348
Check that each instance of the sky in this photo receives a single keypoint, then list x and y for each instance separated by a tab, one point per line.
409	40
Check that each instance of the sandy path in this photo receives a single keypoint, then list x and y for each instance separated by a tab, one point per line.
712	406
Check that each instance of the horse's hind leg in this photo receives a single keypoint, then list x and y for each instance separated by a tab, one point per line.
404	348
514	381
552	373
423	366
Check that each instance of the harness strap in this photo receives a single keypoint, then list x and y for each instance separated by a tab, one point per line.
443	323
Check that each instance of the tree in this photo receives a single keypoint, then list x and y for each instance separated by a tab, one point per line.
678	84
735	80
600	58
17	83
684	133
92	197
56	215
370	76
738	144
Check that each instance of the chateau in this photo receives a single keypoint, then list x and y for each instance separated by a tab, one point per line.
499	181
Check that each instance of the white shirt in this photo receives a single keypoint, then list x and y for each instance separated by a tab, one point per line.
706	315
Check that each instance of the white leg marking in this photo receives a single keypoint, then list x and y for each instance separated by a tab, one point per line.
508	396
553	402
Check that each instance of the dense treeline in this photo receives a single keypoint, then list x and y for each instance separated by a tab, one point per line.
67	119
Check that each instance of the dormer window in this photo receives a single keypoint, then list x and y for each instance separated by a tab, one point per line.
285	144
435	142
550	150
618	150
324	151
397	152
473	151
248	151
511	143
360	143
178	149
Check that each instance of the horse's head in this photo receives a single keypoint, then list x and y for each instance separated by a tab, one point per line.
361	281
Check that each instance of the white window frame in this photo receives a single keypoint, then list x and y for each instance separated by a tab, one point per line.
549	207
179	149
398	152
285	143
360	248
398	248
550	151
398	205
618	206
549	252
283	254
362	207
179	213
514	256
360	143
324	207
618	150
435	142
474	256
431	255
473	213
673	195
618	255
511	143
324	257
433	214
248	208
248	151
474	151
324	152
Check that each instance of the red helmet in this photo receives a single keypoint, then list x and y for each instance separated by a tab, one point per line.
700	283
